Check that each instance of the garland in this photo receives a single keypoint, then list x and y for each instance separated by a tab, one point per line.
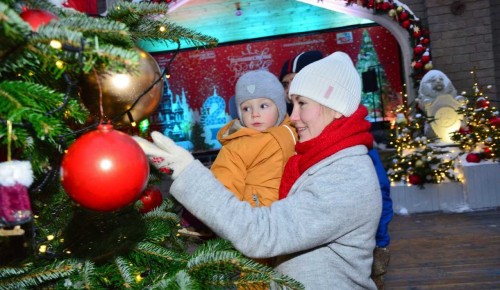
419	36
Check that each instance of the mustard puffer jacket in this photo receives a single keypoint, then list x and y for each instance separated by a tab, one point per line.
250	163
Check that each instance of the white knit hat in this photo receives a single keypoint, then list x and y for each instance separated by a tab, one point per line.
261	84
332	81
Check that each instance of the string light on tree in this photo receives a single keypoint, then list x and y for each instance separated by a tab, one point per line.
479	134
416	161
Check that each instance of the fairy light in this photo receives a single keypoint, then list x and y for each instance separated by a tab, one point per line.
131	119
59	64
50	237
55	44
42	249
163	29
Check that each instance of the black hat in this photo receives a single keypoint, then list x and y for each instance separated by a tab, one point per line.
299	62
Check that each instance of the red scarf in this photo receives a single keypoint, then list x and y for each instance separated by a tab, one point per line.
342	133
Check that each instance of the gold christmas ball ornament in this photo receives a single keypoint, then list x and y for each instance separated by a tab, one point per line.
120	91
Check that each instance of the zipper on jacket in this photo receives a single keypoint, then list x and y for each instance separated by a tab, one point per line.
255	200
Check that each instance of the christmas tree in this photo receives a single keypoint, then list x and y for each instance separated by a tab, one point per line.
51	58
369	67
416	160
479	133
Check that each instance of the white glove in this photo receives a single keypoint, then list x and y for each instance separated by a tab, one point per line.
165	155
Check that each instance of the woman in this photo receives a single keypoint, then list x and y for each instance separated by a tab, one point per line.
323	232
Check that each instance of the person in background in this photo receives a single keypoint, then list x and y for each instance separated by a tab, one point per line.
323	232
292	67
381	255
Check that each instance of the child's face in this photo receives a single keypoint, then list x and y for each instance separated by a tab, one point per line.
259	114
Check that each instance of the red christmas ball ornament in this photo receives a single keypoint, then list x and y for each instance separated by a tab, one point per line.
487	152
386	6
36	17
424	40
403	16
426	57
419	49
482	103
406	24
418	65
473	158
415	179
150	199
495	121
416	33
464	131
104	170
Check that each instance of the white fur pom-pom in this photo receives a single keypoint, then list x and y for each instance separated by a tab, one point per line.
12	172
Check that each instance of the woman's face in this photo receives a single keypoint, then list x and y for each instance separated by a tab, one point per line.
310	117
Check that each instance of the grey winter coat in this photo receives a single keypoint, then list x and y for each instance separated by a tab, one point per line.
323	233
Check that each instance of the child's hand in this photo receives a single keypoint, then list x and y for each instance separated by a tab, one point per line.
165	155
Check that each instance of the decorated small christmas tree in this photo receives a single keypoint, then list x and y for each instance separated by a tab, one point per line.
479	134
53	94
416	161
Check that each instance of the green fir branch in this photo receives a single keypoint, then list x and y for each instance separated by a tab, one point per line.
126	272
48	273
13	31
145	20
181	280
88	274
108	31
14	271
157	251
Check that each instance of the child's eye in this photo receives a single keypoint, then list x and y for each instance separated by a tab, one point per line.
245	109
263	106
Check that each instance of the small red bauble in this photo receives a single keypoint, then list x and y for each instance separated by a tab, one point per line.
473	158
415	179
150	199
36	17
424	41
403	16
464	131
418	65
487	152
425	58
482	103
419	49
104	170
495	121
406	24
416	33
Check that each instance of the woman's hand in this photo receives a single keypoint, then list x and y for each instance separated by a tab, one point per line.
165	155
